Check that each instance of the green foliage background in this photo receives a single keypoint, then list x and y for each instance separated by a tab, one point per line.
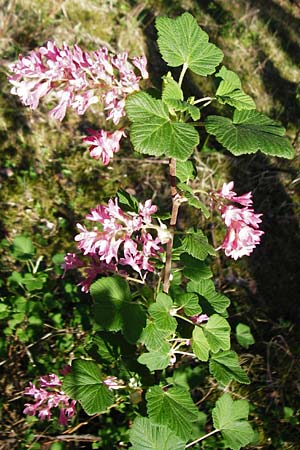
48	183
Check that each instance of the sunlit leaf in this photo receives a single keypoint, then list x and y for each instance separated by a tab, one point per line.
154	133
84	383
182	41
172	407
230	91
230	417
248	132
145	435
224	366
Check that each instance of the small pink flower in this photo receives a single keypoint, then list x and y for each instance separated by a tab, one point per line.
243	233
141	64
49	398
123	241
104	144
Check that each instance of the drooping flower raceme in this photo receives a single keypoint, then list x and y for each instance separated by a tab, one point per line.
79	79
48	396
121	240
243	233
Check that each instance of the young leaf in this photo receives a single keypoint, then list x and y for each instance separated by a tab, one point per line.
114	309
22	247
185	171
153	132
192	199
158	359
145	435
182	106
206	288
230	417
194	269
196	244
160	311
244	335
217	333
230	91
127	200
182	41
84	384
174	408
200	344
224	366
248	132
171	89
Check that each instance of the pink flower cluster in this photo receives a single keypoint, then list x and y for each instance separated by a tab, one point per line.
79	79
49	396
121	239
243	233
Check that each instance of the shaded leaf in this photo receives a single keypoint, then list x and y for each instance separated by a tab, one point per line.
206	288
189	302
114	309
195	269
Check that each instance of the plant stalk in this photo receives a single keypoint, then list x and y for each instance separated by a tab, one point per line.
202	438
174	214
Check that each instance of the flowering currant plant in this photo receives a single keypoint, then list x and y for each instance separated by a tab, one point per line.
156	307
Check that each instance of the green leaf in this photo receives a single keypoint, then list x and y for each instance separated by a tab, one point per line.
153	337
185	170
161	313
128	201
182	106
230	417
217	333
158	359
144	435
195	269
172	407
182	41
200	344
248	132
224	366
189	302
22	247
114	309
230	91
152	131
196	244
171	89
84	384
206	288
193	200
244	335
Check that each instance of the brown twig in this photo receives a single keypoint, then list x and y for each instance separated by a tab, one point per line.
174	214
